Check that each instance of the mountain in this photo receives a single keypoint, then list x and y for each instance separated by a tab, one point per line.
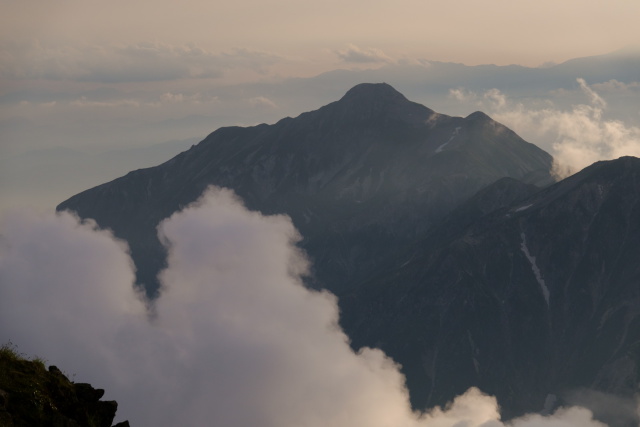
535	299
360	178
447	241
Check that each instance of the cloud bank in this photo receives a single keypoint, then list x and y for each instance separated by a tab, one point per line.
233	340
579	136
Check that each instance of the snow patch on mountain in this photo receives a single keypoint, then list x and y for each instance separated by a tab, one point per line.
453	135
523	208
534	267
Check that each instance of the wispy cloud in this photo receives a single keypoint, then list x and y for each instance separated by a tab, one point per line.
262	102
355	54
139	62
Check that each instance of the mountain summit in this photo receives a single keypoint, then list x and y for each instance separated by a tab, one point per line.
365	180
359	177
380	101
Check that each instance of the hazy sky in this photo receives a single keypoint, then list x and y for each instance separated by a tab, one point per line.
81	77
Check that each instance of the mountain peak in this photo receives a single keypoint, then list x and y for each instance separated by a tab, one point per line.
370	91
379	102
478	116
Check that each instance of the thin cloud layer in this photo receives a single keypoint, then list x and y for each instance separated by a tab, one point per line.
234	338
579	136
137	62
355	54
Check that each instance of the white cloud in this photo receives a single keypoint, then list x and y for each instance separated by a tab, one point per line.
64	285
596	100
463	95
579	136
262	102
496	98
233	340
355	54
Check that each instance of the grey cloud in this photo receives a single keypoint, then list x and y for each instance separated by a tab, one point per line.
235	338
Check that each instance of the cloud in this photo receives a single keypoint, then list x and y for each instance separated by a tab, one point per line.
496	97
616	86
579	136
138	62
50	308
262	102
463	95
595	99
359	55
616	410
234	339
84	102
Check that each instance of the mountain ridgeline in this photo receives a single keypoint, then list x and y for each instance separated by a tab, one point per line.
359	177
446	239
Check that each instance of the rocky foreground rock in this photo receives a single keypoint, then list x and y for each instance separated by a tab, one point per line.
31	395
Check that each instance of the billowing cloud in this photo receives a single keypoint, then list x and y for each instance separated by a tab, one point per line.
358	55
234	339
138	62
579	136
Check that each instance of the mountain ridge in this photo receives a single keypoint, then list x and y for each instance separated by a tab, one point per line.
394	167
427	227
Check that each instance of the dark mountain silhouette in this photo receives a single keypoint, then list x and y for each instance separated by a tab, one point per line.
360	178
537	298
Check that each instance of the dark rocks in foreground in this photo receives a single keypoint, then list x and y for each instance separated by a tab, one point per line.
31	395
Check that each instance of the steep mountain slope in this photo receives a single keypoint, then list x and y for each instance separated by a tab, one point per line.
535	299
360	177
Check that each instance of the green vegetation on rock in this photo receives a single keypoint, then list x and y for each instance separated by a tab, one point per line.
31	395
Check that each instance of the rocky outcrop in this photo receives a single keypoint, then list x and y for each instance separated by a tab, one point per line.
31	395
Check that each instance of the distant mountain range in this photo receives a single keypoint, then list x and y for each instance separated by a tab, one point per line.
445	238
